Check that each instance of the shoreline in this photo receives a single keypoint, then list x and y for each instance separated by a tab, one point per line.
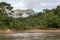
10	31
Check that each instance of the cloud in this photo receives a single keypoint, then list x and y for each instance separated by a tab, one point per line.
37	5
19	5
1	0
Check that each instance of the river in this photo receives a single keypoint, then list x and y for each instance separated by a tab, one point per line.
30	36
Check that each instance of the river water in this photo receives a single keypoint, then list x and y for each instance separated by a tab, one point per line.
30	36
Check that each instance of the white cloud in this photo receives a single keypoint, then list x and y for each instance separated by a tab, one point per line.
19	5
37	5
1	0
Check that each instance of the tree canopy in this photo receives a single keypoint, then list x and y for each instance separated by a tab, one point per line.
42	20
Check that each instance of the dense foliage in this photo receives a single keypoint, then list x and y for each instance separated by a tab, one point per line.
42	20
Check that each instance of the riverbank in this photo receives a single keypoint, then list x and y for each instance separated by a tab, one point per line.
11	31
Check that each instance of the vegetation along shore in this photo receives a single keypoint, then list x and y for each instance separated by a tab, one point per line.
42	20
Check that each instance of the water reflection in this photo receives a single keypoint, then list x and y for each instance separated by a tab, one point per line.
30	36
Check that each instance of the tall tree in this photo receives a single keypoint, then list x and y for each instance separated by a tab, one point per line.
4	19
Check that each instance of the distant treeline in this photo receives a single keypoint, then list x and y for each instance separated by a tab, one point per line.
42	20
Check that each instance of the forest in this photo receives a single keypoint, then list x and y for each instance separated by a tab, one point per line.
42	20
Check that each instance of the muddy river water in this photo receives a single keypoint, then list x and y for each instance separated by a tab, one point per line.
30	36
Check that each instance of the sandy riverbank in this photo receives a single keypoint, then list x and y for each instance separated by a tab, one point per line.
9	31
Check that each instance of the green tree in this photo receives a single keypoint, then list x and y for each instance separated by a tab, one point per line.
4	19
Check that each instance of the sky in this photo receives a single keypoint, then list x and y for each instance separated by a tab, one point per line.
37	5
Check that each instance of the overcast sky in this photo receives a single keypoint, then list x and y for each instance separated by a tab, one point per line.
37	5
